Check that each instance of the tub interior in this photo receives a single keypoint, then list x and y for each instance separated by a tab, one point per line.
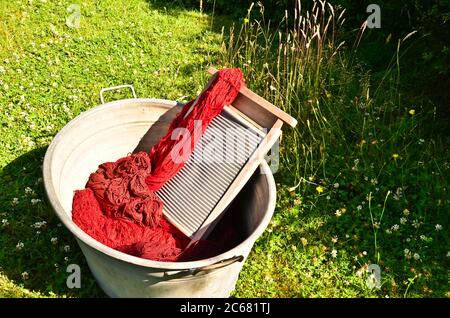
112	131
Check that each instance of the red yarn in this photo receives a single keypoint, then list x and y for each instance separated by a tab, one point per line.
122	193
125	235
222	91
119	208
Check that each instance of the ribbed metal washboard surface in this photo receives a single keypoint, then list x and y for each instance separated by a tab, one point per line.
222	151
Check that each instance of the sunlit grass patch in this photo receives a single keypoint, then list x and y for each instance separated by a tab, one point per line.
358	160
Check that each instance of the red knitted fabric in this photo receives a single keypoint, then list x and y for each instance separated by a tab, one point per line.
119	208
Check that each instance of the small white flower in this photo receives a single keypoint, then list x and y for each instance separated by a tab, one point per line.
364	253
374	181
448	254
421	141
38	225
359	207
49	128
416	256
19	246
336	185
66	248
403	220
407	253
338	213
15	201
388	231
408	239
35	201
5	222
28	190
423	237
328	197
54	240
272	88
334	253
25	275
66	259
438	227
395	227
334	239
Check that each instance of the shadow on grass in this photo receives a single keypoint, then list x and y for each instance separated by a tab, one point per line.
29	255
178	8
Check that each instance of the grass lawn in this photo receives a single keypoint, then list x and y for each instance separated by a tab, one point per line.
363	179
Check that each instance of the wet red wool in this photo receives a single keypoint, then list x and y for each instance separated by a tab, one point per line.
119	208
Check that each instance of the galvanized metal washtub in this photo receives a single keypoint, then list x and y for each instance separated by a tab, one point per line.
108	132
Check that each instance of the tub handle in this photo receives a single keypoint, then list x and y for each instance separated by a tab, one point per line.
217	265
195	271
114	88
